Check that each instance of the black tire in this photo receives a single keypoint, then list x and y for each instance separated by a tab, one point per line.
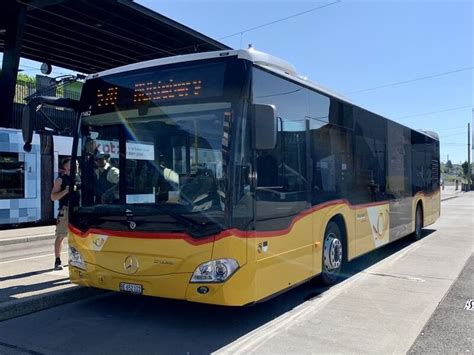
417	235
332	254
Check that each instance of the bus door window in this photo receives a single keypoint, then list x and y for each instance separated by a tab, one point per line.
281	172
331	134
370	145
281	194
282	182
398	179
370	177
242	209
87	168
269	166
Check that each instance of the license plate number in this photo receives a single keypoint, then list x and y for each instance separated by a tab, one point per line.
131	288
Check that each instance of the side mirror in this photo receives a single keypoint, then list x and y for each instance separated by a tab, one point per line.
28	124
264	125
29	114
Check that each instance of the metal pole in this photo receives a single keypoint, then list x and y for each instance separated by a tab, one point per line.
469	156
13	20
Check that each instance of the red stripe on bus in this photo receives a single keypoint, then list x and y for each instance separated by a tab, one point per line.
280	232
140	235
224	234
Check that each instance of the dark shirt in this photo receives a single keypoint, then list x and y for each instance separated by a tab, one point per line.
66	181
102	184
88	179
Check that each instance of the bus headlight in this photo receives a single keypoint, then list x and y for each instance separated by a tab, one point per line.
76	259
215	271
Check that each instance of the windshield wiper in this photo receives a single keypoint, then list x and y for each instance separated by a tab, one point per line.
89	215
194	228
86	216
102	210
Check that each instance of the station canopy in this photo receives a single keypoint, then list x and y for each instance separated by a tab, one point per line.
89	36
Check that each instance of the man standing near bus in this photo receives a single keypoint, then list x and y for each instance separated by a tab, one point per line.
59	193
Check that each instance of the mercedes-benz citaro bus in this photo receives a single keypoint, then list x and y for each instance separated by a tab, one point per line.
225	178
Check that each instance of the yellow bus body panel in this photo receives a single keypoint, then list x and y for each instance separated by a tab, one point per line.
165	265
269	262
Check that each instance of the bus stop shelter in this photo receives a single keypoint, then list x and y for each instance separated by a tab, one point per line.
87	36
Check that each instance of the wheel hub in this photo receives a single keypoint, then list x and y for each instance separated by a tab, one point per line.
332	252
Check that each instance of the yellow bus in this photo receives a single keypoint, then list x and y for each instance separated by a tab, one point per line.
226	178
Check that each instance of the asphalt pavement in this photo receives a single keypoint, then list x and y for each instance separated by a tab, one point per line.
385	307
28	282
451	327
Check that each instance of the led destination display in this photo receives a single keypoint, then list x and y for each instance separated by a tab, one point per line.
152	86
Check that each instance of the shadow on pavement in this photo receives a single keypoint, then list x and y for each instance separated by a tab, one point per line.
13	292
39	282
375	256
26	274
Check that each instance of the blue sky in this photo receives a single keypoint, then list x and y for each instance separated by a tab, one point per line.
355	45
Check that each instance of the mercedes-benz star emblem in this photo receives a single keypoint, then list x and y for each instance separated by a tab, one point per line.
131	264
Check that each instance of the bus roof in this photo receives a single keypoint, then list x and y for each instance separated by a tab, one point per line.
430	134
264	60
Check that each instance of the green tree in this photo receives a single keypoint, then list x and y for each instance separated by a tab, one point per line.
25	78
465	169
449	165
25	85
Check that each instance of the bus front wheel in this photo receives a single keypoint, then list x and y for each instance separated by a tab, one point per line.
333	254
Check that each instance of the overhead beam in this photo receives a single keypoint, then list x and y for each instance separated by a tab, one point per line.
14	20
37	4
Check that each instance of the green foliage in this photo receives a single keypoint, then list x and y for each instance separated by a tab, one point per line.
450	178
465	169
444	169
449	165
25	78
60	91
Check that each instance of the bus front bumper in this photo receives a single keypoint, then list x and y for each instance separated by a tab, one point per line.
238	290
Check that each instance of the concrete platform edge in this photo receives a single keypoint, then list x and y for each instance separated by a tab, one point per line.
18	240
18	308
448	198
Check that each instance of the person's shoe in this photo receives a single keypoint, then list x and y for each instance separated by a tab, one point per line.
57	264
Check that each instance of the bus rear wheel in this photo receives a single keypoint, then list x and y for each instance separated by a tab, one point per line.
333	254
418	222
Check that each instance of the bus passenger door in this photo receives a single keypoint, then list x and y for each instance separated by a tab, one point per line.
399	188
283	229
372	219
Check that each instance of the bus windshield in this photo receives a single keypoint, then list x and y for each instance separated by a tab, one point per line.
155	150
